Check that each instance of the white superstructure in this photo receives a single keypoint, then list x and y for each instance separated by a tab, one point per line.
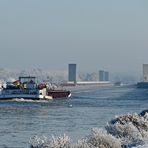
25	88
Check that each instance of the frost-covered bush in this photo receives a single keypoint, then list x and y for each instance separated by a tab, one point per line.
99	139
124	131
59	142
131	128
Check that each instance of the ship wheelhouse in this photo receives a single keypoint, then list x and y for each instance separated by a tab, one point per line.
28	82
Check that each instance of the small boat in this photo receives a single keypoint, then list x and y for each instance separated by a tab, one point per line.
27	88
118	83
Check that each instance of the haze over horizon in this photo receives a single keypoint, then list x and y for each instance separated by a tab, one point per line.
110	35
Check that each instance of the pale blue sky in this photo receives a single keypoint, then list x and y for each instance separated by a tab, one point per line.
94	34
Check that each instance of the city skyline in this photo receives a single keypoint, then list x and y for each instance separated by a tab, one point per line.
96	35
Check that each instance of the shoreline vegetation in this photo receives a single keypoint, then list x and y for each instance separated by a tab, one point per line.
126	131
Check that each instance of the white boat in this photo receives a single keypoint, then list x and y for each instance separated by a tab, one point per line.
27	88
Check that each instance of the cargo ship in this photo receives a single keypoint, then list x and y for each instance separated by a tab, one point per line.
27	88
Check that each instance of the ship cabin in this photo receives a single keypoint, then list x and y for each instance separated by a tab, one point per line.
28	82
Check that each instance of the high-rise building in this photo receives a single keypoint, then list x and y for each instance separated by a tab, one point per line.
106	75
101	75
72	72
145	72
144	84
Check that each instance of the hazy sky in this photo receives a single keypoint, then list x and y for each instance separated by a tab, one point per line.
94	34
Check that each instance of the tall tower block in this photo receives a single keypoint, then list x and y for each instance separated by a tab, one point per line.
145	72
106	73
101	75
72	72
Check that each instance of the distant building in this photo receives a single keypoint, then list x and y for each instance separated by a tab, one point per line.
72	72
106	73
144	83
103	75
145	72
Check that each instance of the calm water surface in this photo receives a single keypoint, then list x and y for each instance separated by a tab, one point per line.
76	116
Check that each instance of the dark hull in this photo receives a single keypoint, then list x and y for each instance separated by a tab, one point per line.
142	85
57	94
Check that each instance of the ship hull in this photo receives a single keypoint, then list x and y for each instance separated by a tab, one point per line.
54	94
20	96
58	94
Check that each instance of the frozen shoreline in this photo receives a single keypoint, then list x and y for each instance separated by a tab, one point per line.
130	131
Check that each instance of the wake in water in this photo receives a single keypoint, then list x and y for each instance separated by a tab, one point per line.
127	131
28	100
